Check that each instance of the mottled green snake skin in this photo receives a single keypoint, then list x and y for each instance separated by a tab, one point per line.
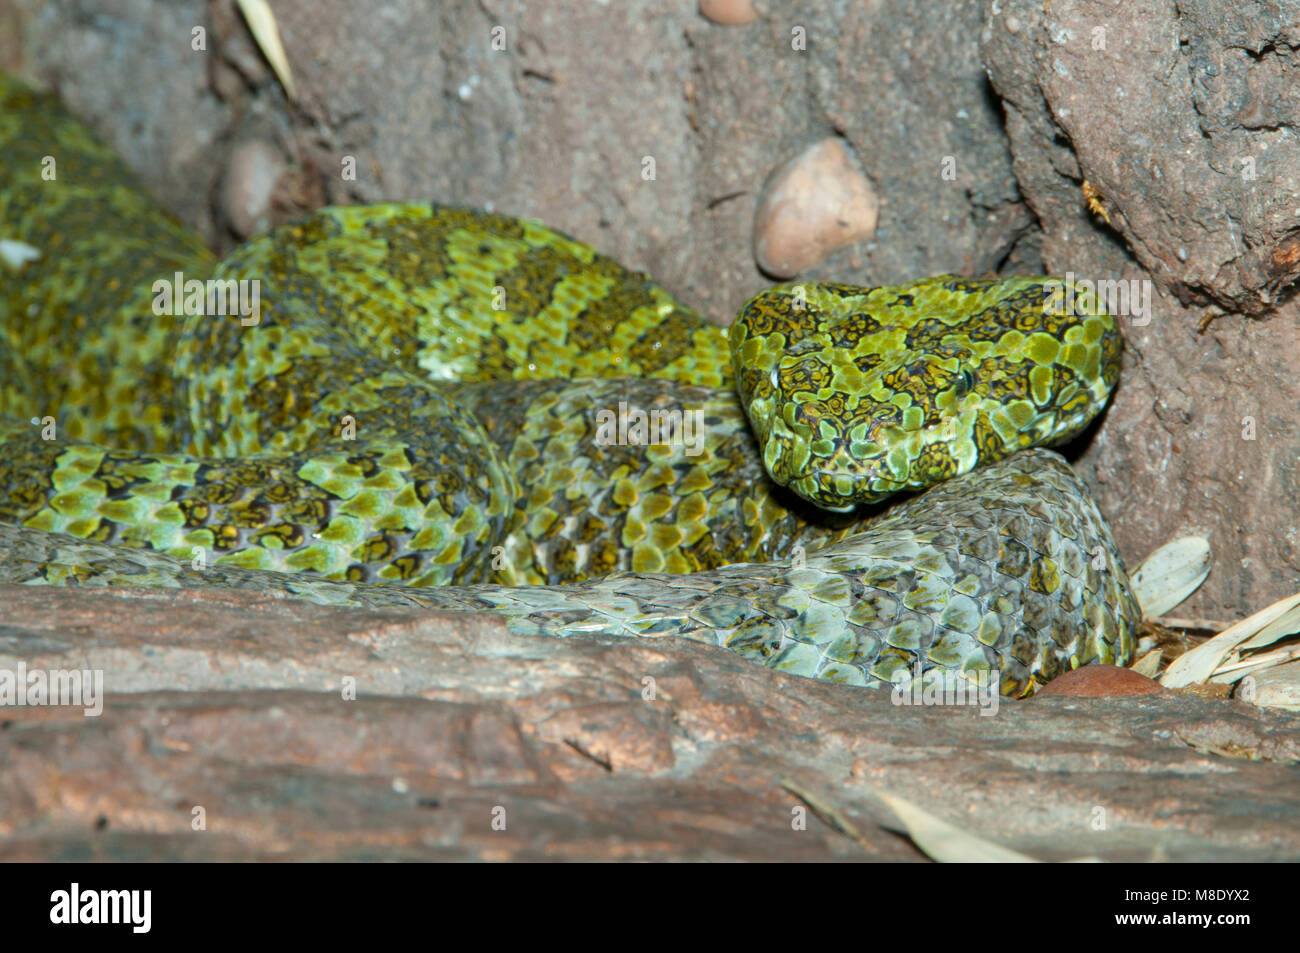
414	417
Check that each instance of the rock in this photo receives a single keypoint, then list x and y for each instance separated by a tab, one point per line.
235	704
729	12
11	39
1101	681
1210	218
815	203
250	185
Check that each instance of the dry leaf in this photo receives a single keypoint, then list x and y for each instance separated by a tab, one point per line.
945	843
1171	574
1201	663
261	23
1149	664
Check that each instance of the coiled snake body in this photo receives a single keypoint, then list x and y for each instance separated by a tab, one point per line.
419	413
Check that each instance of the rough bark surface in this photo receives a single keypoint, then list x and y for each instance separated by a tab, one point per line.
583	748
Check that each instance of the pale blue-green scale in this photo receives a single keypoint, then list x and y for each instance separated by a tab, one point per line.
372	509
936	564
723	615
753	643
846	648
131	511
667	624
818	624
164	531
913	629
928	593
1005	603
339	535
160	479
833	588
1052	550
968	584
874	611
949	650
160	527
798	658
990	629
261	557
961	613
333	474
842	674
75	508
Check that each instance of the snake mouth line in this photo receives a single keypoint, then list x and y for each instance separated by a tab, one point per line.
820	477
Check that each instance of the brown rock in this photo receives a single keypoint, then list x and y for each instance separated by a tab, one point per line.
11	39
729	12
1101	681
814	204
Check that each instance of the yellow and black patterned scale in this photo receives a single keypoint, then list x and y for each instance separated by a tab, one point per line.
417	413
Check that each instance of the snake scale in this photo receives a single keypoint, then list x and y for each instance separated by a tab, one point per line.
413	416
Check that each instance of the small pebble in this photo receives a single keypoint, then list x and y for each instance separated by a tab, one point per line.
1101	681
249	187
729	12
814	204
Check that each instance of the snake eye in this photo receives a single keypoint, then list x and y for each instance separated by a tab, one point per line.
965	384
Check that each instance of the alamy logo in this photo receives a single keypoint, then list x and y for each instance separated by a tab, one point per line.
1121	298
103	906
82	688
943	686
214	297
637	428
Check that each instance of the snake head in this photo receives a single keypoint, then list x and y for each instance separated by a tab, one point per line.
855	394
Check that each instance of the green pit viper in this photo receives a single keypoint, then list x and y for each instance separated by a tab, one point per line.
414	418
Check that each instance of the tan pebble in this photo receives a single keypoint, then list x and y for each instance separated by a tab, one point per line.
249	187
1101	681
729	12
815	203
